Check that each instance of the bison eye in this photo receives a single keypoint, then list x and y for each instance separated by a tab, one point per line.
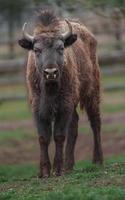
60	49
37	51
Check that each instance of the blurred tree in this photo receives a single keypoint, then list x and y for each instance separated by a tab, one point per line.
106	3
55	4
61	7
116	17
116	11
11	11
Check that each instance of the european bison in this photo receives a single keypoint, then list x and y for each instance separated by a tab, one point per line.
62	72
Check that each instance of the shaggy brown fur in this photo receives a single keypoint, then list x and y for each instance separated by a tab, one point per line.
80	83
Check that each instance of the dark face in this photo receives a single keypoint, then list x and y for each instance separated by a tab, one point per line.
49	54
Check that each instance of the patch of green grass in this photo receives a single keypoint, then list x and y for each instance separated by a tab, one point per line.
17	134
118	128
113	108
16	172
12	90
113	102
113	79
85	128
16	110
115	159
87	181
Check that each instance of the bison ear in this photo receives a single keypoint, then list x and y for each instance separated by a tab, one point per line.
26	44
70	40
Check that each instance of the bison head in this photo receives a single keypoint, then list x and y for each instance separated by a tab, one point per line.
49	51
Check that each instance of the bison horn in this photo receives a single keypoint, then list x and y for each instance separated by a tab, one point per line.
26	35
69	32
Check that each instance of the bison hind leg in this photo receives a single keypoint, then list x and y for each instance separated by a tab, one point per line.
71	141
92	108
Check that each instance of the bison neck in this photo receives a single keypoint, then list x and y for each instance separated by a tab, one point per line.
51	89
49	101
54	97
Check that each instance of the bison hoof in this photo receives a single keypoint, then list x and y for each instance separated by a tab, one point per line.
57	171
68	169
69	166
44	173
43	176
98	161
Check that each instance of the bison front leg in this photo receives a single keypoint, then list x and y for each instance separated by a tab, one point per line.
60	131
45	165
58	159
44	132
71	141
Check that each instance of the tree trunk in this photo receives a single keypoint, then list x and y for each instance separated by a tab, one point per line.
117	23
11	45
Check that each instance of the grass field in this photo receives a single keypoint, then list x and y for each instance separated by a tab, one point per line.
86	182
19	153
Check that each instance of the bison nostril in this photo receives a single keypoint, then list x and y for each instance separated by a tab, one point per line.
56	72
51	73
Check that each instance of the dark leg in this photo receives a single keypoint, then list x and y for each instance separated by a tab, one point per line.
45	165
60	131
71	141
93	112
58	159
44	131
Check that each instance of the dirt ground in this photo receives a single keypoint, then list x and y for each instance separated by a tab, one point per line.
22	151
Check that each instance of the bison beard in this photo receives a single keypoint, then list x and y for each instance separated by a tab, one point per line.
56	101
51	88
